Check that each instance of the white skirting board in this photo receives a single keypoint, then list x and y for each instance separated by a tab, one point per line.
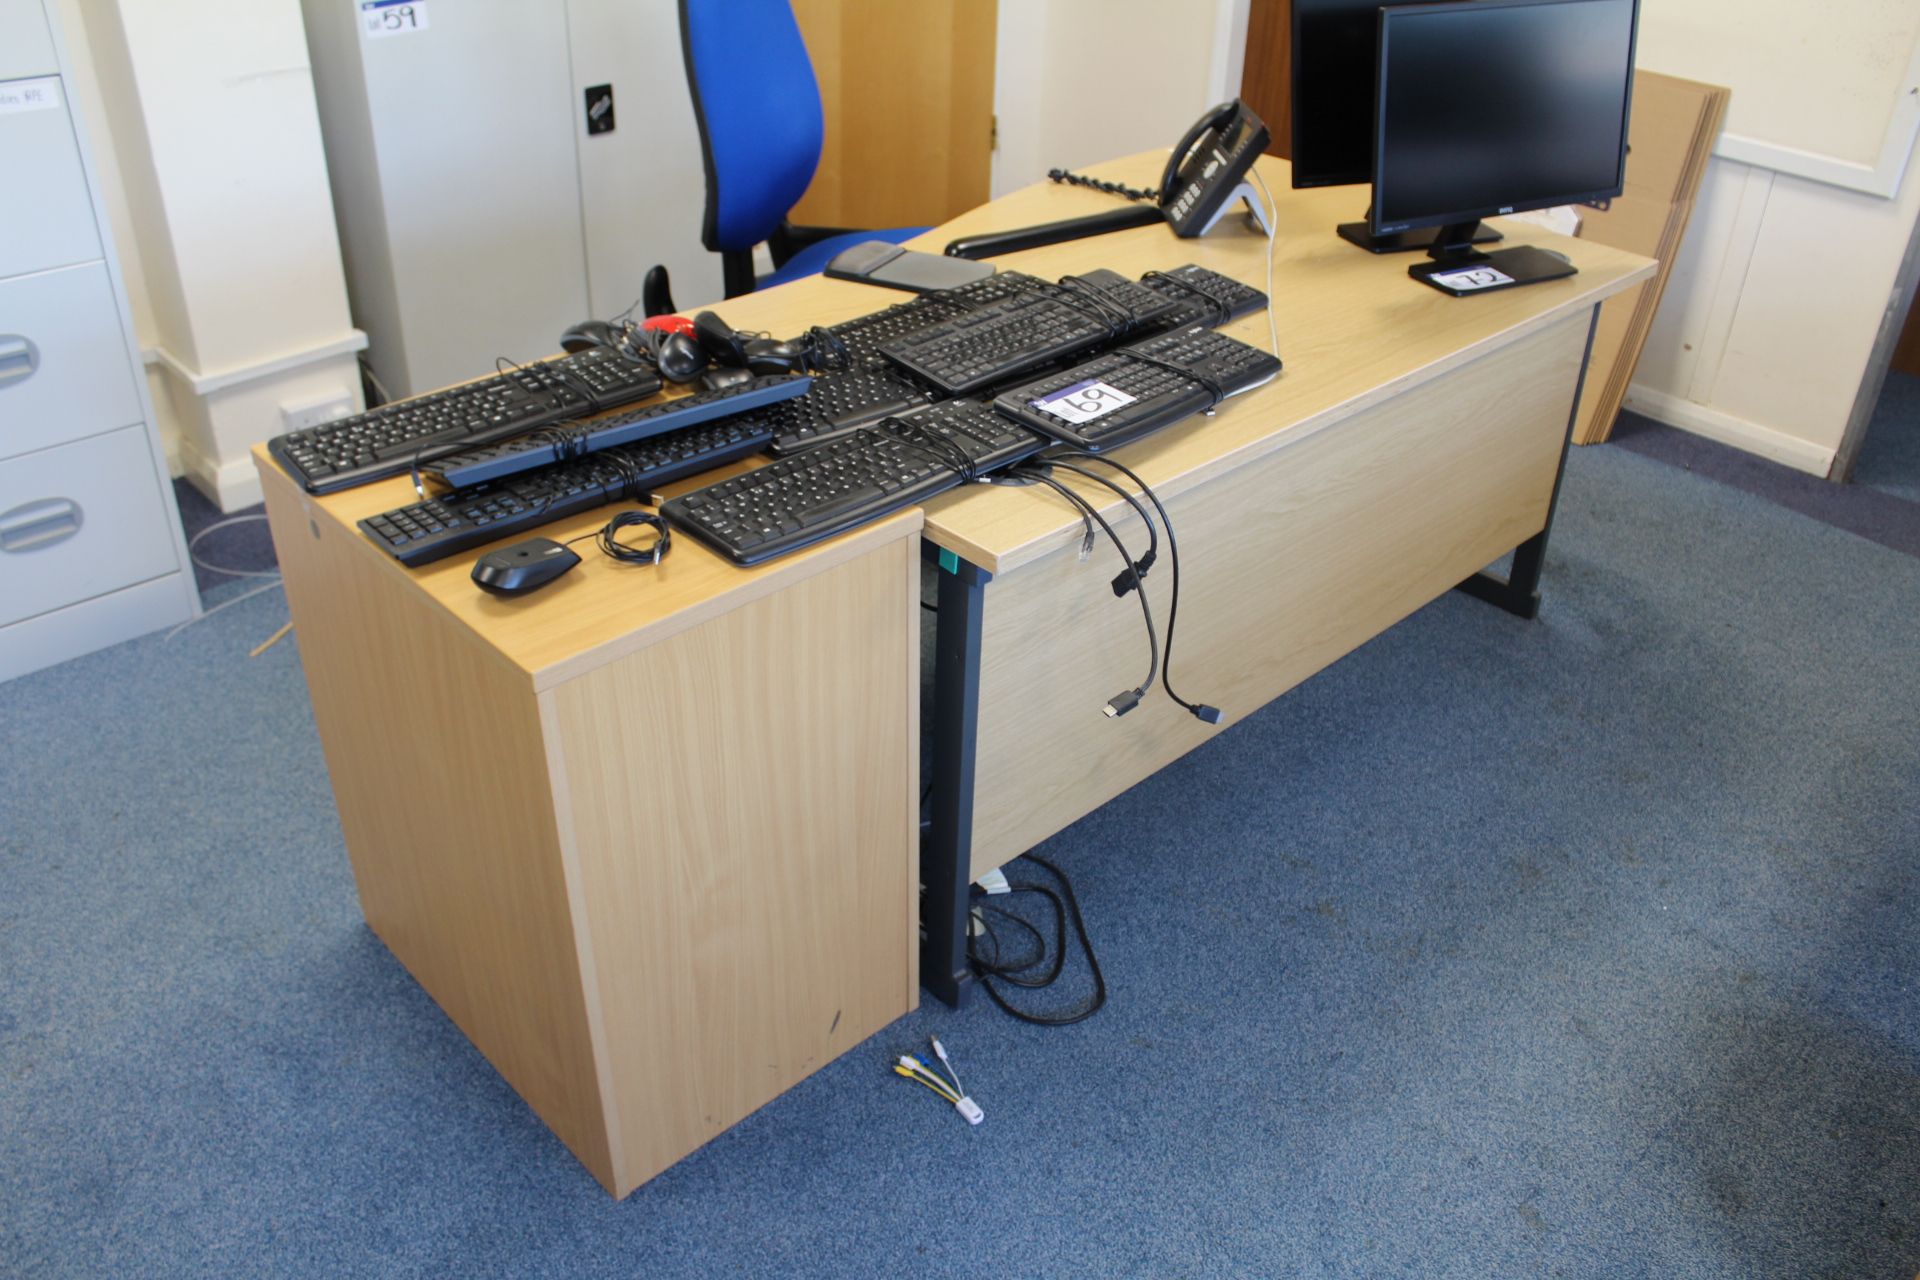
230	485
1715	424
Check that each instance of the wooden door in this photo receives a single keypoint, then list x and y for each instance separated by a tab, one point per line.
1266	78
908	95
1906	352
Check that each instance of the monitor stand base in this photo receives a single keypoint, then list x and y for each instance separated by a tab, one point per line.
1361	233
1463	273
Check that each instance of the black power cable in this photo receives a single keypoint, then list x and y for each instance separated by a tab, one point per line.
1018	972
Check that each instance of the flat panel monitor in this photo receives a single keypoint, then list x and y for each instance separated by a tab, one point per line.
1486	107
1335	45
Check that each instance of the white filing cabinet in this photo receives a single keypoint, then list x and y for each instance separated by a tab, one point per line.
90	545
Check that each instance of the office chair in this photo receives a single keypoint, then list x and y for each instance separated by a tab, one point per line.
758	108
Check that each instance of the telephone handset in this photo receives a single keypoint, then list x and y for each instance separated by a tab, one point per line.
1208	165
1207	170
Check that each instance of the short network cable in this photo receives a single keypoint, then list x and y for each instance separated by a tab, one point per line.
1127	699
1130	578
1198	710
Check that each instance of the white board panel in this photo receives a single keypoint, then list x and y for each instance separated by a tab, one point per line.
1828	92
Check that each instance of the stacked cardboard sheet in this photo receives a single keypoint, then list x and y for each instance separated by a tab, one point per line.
1670	134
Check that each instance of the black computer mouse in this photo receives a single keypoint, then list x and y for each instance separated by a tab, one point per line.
523	566
768	355
679	357
722	342
587	335
721	379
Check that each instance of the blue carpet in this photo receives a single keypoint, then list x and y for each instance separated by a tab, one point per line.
240	542
1583	947
1883	508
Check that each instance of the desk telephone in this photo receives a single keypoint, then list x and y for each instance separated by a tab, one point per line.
1209	165
1206	172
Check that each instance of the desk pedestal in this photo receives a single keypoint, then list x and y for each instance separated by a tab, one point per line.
658	890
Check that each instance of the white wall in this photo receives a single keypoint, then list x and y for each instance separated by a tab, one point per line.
1778	295
1080	81
210	154
104	146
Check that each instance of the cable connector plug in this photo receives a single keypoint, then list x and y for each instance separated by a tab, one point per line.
959	1089
971	1110
1121	703
1129	578
1211	715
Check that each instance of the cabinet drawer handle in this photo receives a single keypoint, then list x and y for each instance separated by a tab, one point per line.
18	358
32	526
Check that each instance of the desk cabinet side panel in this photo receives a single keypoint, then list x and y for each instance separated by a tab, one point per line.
1287	564
434	748
740	802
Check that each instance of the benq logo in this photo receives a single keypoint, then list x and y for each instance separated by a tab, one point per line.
1507	209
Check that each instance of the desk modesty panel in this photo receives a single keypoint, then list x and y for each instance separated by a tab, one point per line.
1287	562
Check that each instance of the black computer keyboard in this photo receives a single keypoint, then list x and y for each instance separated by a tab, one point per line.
1116	398
1143	309
839	404
556	444
1200	296
385	441
990	344
844	483
865	335
439	527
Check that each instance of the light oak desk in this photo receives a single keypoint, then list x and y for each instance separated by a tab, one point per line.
1413	439
651	837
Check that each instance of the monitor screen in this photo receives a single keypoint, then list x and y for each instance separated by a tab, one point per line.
1334	45
1499	106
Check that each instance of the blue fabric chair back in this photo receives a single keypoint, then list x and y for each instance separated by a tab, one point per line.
758	108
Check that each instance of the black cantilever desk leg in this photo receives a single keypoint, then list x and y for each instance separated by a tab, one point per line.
946	847
1519	593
